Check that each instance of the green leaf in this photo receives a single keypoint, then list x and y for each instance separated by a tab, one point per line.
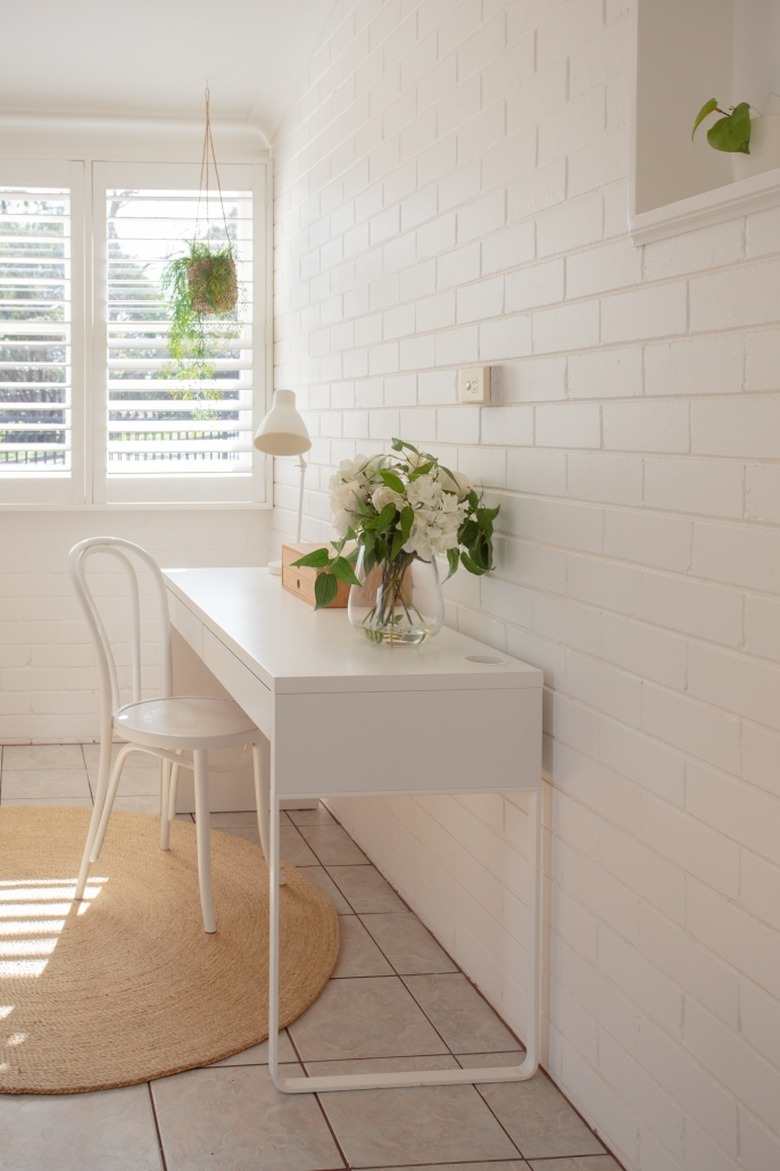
317	559
422	470
407	520
707	109
342	569
325	589
392	480
453	559
472	566
385	518
732	133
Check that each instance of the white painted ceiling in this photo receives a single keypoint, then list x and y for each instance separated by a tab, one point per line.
153	58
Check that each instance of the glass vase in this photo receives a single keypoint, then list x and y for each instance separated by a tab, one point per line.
399	602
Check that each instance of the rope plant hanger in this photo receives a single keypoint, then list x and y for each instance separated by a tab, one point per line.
201	285
212	276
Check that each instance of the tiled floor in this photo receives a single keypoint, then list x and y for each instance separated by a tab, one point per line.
394	996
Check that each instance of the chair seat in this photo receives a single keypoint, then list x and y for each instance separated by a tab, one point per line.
185	722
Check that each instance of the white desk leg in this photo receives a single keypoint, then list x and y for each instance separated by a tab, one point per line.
273	942
440	1077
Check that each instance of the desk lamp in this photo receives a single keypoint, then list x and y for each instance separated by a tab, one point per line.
283	432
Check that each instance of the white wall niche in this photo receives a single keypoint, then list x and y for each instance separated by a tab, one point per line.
684	55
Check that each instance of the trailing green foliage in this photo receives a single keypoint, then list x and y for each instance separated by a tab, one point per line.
201	289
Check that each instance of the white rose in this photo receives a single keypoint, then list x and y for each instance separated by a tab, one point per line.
456	482
350	469
345	495
383	495
342	522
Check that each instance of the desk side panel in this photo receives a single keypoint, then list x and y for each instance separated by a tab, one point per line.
412	742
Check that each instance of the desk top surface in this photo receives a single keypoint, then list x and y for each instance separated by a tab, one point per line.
292	647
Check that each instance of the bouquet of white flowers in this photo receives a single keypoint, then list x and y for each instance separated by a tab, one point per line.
397	509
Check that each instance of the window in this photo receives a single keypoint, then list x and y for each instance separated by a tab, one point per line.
93	408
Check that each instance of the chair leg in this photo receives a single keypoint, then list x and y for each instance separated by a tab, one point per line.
202	830
169	776
168	804
99	821
81	881
104	771
165	804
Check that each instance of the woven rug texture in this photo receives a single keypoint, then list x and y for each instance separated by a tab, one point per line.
126	986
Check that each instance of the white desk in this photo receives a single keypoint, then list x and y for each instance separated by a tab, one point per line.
460	718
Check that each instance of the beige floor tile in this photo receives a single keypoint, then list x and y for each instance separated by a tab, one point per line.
294	849
258	1054
540	1120
324	881
410	948
382	1064
513	1165
79	1132
430	1124
318	816
137	760
365	889
71	802
358	954
137	781
466	1022
585	1163
40	756
138	802
236	819
367	1017
247	832
233	1119
53	784
332	845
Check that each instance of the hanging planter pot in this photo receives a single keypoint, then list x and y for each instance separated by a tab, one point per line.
212	280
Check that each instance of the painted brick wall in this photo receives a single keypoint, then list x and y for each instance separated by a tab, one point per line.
452	188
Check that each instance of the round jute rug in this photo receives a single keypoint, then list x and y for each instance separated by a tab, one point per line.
126	986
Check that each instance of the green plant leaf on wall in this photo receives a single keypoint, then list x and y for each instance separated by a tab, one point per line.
707	109
732	133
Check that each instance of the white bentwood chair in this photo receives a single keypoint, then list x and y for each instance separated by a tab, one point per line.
180	730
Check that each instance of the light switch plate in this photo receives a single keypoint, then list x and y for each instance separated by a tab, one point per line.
474	384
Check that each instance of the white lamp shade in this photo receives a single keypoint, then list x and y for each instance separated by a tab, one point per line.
283	431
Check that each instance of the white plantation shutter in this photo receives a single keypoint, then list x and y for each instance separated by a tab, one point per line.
39	354
35	378
92	408
168	436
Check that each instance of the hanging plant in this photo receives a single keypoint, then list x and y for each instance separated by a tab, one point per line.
201	286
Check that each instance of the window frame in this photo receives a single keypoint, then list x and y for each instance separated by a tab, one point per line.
80	156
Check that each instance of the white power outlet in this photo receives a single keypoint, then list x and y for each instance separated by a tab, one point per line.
474	384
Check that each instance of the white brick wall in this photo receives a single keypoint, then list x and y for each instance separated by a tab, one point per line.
452	189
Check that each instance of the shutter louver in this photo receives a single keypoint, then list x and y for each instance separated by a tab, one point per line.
35	332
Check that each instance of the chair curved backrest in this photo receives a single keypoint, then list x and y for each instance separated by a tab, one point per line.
136	562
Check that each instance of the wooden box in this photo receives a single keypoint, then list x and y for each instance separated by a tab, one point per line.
300	580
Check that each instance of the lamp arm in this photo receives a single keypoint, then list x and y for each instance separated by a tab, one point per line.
302	466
